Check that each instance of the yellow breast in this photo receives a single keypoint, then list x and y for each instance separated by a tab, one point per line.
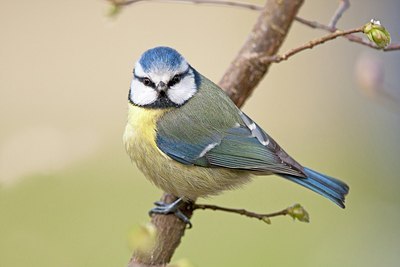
140	144
185	181
140	132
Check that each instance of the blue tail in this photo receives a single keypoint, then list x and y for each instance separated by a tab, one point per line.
326	186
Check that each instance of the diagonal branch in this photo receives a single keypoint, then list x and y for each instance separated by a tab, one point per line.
343	6
308	45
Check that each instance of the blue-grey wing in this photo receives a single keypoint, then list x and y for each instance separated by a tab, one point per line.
244	147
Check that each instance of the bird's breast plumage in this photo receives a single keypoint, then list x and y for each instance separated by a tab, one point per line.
187	181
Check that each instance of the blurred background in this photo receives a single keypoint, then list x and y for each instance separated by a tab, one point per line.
69	195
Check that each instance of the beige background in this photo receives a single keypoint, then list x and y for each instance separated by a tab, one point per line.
69	195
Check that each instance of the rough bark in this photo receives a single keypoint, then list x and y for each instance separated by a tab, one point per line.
242	76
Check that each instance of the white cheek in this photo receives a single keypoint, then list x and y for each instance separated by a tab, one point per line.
141	94
182	91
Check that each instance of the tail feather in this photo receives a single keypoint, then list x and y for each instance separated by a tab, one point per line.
326	186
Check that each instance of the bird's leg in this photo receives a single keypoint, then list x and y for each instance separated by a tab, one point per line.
165	208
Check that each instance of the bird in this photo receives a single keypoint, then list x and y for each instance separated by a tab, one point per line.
190	140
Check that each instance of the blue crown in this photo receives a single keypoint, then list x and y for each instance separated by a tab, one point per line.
160	57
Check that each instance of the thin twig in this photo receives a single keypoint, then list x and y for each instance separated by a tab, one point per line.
241	211
350	37
311	24
214	2
392	47
308	45
296	212
343	6
314	24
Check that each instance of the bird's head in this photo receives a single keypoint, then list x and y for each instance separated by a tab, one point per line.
161	79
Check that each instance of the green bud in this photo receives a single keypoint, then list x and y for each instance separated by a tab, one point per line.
298	212
377	33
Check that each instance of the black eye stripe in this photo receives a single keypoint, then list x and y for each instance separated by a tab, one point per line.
178	77
146	81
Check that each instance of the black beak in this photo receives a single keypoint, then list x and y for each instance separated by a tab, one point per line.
161	87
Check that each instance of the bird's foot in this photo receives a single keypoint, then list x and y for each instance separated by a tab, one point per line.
165	208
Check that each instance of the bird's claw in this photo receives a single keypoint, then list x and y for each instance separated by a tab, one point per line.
165	208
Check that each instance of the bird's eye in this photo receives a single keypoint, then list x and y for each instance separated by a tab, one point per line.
146	81
176	79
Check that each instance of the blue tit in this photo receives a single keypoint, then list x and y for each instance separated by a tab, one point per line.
189	139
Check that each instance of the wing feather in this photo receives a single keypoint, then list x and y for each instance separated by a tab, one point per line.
213	132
